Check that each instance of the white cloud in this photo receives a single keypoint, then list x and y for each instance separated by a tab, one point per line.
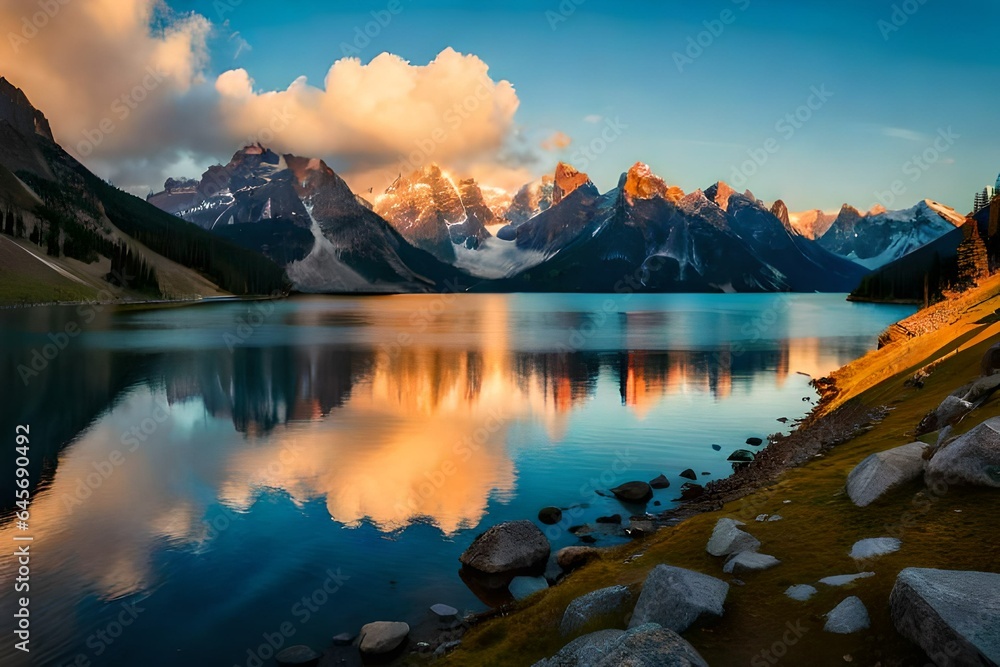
903	133
593	118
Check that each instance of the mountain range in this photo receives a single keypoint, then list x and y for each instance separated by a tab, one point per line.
266	222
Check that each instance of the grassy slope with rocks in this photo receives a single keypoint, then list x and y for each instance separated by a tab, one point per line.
955	531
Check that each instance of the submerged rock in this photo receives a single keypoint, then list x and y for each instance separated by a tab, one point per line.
755	442
297	656
508	547
443	612
848	617
550	515
972	459
633	492
959	610
611	601
883	471
675	598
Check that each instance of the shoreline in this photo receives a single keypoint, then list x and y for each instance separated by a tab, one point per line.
858	413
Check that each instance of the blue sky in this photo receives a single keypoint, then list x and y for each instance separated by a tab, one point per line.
892	85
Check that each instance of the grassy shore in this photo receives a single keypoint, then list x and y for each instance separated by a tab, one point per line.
953	531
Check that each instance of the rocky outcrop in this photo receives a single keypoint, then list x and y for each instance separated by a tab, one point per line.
972	459
881	472
720	194
953	616
530	200
642	183
506	548
567	179
727	539
675	598
780	211
602	603
18	111
848	617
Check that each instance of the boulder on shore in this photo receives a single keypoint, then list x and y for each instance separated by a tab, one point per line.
508	547
603	602
675	598
848	617
727	539
648	645
875	546
954	616
633	492
749	561
382	637
570	558
971	459
951	410
883	471
691	491
991	361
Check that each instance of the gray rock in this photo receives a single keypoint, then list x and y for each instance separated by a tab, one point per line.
979	390
884	471
343	639
295	656
775	517
761	517
570	558
728	539
800	592
447	647
972	459
586	651
648	645
848	617
844	579
633	492
741	456
508	547
443	612
749	561
675	598
382	637
603	602
523	587
875	546
948	610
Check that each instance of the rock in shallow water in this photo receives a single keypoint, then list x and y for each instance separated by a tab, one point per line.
848	617
550	515
675	598
382	637
660	482
297	656
443	612
508	547
948	609
633	492
689	474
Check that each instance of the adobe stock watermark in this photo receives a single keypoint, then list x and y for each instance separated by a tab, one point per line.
302	610
898	17
34	23
786	127
587	154
101	640
701	42
562	13
918	165
773	654
120	110
365	34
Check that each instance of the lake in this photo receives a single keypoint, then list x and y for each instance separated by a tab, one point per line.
205	476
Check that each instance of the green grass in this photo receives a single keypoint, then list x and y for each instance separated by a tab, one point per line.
956	531
17	289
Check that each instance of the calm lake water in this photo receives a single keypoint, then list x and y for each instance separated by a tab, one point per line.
198	471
